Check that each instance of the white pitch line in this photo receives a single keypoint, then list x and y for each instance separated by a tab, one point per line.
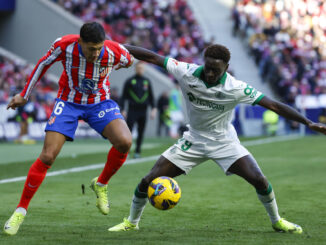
145	159
270	140
81	169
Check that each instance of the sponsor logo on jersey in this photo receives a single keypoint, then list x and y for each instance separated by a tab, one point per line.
87	87
208	104
102	113
51	120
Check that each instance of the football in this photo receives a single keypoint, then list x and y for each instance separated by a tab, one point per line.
164	193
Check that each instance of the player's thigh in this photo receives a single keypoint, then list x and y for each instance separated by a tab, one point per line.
162	167
247	168
106	119
53	143
117	132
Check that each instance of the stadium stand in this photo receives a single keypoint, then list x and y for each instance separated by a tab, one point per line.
13	75
166	27
288	41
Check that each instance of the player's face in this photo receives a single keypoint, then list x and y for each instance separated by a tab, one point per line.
91	50
214	69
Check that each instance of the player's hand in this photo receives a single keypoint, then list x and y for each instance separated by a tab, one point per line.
118	67
16	101
318	127
124	114
153	113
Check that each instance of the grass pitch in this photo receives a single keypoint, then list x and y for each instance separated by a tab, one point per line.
213	209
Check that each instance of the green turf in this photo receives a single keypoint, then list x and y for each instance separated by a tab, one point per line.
214	209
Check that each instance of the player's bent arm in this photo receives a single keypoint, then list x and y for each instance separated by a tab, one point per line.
145	55
290	113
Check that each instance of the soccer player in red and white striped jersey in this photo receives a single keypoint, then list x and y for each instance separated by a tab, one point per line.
84	92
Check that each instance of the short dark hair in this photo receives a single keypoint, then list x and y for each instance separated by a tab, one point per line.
217	51
92	32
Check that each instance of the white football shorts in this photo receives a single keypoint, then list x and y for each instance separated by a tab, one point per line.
194	149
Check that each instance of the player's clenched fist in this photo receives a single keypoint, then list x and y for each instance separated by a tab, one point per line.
16	101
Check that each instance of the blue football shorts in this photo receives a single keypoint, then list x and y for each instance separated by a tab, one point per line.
65	116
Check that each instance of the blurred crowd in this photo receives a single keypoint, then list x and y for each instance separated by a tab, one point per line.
287	39
167	27
13	76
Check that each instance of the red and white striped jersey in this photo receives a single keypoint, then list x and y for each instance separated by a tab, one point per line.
81	82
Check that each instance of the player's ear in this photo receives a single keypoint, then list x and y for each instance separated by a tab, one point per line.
226	68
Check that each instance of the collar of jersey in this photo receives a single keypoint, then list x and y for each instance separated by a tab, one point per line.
199	71
81	52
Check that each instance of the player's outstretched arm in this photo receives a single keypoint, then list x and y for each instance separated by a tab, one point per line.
291	114
145	55
16	101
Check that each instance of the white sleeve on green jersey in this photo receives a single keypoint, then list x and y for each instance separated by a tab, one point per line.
245	93
177	68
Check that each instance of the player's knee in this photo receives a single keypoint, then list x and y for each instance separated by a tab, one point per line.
144	183
260	182
47	158
124	145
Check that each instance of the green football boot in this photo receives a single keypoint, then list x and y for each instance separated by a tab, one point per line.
102	202
13	223
124	226
285	226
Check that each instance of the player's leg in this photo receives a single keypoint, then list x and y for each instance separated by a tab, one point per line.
60	127
117	132
247	168
52	145
141	124
106	119
163	167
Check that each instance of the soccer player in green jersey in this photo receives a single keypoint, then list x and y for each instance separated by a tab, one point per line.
210	95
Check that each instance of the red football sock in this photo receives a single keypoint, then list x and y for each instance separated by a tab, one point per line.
114	162
35	177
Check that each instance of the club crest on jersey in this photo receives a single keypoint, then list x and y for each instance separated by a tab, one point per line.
51	120
104	70
220	95
87	86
